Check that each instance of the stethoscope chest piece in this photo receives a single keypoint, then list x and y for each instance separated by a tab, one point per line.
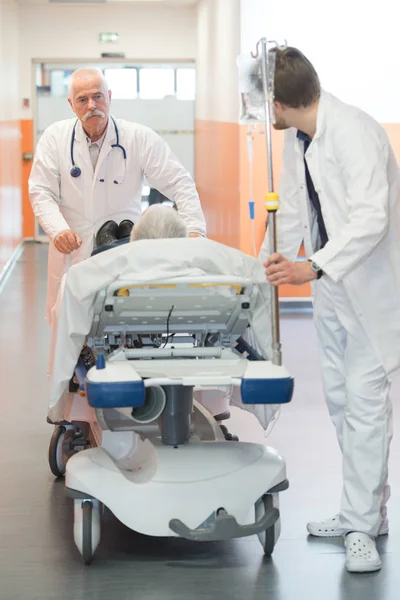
75	172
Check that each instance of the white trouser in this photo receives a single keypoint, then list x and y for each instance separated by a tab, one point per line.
357	394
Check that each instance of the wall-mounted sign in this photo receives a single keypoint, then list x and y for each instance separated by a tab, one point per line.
108	38
112	55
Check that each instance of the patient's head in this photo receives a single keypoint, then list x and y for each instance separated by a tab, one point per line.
157	222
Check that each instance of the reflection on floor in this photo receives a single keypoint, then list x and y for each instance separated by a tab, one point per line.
38	560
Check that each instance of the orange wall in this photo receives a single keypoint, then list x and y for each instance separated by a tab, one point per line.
10	190
217	179
27	146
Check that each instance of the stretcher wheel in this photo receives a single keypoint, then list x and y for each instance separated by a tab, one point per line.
87	527
56	451
65	441
270	536
87	511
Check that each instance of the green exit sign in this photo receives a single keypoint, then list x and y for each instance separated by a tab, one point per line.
108	38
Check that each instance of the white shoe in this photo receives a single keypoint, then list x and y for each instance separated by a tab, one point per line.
361	553
330	528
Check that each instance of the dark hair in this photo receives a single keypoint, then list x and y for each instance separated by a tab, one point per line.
296	81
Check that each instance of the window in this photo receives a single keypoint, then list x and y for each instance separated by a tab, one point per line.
58	83
185	84
38	72
156	83
122	83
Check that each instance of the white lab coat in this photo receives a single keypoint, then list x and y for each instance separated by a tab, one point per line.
355	173
113	191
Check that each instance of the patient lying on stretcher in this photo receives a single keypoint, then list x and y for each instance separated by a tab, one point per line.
197	257
160	222
157	222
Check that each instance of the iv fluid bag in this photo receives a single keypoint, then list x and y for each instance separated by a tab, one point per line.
251	89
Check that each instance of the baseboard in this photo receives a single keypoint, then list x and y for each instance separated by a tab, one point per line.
8	267
295	305
36	240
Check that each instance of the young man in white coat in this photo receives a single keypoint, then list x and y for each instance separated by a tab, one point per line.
88	174
340	194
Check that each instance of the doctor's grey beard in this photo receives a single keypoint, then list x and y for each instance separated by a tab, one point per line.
93	113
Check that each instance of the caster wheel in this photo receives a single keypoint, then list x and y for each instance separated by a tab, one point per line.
270	536
56	451
87	527
65	441
87	552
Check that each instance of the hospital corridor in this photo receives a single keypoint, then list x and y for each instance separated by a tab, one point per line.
199	300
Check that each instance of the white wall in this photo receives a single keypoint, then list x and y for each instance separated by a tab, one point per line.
217	49
51	31
8	60
352	43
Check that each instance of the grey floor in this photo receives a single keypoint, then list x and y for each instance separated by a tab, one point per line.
38	559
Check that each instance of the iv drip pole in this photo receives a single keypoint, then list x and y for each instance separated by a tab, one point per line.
271	200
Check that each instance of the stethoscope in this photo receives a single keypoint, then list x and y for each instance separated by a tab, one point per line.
76	171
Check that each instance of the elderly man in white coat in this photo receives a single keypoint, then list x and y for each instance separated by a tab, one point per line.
340	194
88	174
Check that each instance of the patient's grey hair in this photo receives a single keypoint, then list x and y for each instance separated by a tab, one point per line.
157	222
